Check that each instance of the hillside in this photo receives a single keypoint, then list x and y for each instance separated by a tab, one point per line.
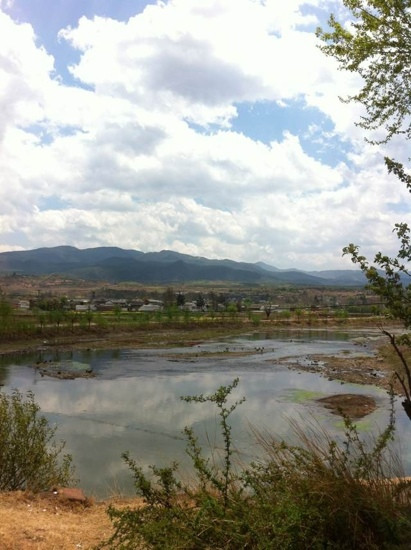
113	264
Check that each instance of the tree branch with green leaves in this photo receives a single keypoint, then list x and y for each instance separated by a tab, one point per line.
375	43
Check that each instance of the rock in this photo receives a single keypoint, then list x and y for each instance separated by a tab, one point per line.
71	494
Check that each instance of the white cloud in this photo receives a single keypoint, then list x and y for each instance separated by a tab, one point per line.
24	75
123	162
199	58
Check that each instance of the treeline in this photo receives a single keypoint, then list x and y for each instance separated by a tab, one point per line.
57	320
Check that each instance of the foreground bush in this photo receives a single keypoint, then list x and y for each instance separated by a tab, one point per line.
29	456
319	495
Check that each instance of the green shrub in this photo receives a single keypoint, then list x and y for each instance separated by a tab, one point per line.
29	456
320	494
324	494
255	319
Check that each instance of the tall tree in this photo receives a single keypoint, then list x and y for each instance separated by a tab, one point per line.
377	45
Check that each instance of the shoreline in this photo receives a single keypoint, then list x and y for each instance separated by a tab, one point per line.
376	369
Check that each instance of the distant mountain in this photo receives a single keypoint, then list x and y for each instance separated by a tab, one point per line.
114	264
342	276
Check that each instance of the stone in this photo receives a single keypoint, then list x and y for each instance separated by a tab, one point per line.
72	494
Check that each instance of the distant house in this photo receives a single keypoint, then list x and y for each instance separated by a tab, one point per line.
150	307
190	306
135	304
108	305
84	307
23	304
155	302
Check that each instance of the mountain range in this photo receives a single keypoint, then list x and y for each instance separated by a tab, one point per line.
115	265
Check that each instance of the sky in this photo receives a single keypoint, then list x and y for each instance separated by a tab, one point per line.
209	127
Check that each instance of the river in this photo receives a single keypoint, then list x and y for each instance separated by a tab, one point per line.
133	403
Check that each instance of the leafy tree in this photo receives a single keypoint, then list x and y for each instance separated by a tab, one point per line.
377	46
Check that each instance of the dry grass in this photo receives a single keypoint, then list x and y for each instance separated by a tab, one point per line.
42	522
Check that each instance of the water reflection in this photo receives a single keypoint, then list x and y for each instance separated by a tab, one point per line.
134	403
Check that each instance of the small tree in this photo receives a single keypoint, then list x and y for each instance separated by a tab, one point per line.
221	479
200	302
232	310
71	316
56	316
89	317
390	279
268	308
29	456
41	318
169	297
180	299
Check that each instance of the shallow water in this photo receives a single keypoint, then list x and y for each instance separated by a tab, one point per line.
133	402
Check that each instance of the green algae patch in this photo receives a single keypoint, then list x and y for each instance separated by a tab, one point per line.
302	396
362	426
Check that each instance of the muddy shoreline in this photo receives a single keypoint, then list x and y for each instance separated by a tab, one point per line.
374	367
373	364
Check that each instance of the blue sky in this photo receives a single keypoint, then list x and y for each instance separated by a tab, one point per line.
211	127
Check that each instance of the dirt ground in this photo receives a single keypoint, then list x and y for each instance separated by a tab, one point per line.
44	522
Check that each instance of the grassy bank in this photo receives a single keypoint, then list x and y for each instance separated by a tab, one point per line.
25	332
